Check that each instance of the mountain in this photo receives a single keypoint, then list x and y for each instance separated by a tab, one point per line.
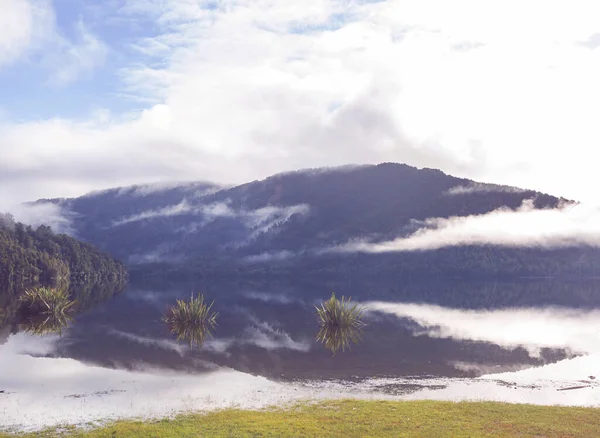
295	218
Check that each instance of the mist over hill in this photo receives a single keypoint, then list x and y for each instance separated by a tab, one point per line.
389	218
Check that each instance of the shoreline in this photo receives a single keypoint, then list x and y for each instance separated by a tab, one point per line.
42	392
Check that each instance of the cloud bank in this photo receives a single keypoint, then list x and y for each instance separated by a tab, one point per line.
53	215
569	225
531	329
331	83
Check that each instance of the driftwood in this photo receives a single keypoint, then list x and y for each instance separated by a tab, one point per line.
574	387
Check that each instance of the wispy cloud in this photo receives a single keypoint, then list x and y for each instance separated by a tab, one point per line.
161	253
165	344
209	212
271	256
266	218
264	335
197	190
46	213
488	368
259	334
270	297
568	225
531	329
476	187
257	221
219	345
24	24
30	28
72	59
173	210
156	299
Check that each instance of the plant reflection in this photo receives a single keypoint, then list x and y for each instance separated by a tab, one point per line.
340	323
191	320
45	310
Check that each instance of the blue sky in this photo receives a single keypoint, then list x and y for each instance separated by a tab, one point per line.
102	94
29	87
31	91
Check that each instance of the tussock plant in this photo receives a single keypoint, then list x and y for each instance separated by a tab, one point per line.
192	320
340	323
45	310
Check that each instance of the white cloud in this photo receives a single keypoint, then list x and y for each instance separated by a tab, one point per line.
264	335
270	298
15	22
35	215
270	256
217	209
247	89
29	27
72	59
149	189
568	225
258	221
482	188
532	329
22	23
260	334
219	346
165	344
173	210
265	219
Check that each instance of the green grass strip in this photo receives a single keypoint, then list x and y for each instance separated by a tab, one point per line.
354	418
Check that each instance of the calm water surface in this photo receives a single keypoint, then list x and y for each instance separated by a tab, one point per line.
267	327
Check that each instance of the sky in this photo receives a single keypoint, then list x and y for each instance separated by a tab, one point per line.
104	94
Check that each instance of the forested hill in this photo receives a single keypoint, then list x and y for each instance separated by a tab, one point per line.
292	213
31	257
287	223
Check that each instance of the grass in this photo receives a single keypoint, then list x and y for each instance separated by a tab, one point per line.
45	310
191	320
354	418
340	323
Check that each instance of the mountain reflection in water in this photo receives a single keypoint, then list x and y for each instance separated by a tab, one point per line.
268	328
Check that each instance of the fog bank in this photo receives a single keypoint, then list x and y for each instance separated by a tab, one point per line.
577	331
569	225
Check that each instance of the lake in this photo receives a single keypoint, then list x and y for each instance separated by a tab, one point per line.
269	328
420	336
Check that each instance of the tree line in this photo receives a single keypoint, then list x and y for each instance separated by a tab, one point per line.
33	257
